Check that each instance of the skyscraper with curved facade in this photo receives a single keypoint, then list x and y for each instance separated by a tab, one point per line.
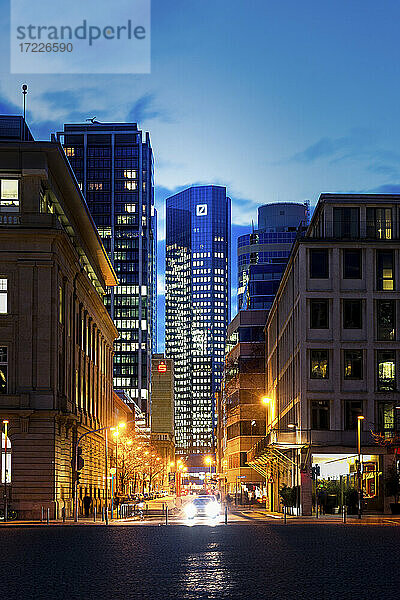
197	298
263	254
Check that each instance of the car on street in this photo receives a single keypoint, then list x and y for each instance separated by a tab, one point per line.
203	506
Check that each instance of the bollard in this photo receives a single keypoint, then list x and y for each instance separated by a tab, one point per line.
284	514
106	515
147	510
316	509
166	515
94	514
48	516
102	513
63	514
42	516
226	515
344	514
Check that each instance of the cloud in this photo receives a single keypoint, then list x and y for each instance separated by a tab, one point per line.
145	109
62	99
388	188
355	144
9	108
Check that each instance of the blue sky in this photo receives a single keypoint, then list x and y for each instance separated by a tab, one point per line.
278	101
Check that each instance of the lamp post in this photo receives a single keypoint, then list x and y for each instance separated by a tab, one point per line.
5	423
360	418
208	461
80	438
266	402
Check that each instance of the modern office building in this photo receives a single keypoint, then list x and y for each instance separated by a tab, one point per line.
240	409
162	413
333	349
113	164
56	337
197	308
263	254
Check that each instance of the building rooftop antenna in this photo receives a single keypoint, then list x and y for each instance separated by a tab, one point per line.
24	93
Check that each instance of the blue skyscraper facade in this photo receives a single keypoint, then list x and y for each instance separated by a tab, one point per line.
113	163
263	254
197	277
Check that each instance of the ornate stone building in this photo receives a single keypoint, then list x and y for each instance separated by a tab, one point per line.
56	337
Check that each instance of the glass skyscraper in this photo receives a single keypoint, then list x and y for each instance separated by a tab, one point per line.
113	163
197	281
263	254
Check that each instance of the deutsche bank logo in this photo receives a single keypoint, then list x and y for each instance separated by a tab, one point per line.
201	210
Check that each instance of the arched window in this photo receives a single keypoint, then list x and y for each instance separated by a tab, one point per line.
5	468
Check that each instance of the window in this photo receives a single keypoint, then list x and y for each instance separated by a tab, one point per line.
352	410
353	364
320	414
379	223
386	317
3	369
346	222
319	316
319	268
352	264
60	304
3	296
384	270
319	364
389	418
9	193
386	370
352	314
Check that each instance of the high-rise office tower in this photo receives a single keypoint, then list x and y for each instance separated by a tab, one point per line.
263	254
197	281
113	163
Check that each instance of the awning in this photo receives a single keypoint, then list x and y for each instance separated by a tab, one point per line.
271	458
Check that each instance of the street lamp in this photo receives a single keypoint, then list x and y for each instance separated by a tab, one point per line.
208	461
5	423
80	438
360	418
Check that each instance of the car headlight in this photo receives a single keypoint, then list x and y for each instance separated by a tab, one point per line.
212	509
190	510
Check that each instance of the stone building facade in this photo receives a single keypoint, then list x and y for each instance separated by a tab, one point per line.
56	337
333	349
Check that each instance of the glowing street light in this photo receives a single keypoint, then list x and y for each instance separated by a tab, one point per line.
265	400
360	418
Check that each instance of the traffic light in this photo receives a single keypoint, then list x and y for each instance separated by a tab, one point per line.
80	461
315	471
77	477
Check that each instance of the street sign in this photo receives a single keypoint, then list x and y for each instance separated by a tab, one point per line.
241	476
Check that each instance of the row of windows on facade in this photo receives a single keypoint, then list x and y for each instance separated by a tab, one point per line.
101	151
388	417
379	223
353	366
352	316
285	237
122	220
105	186
352	266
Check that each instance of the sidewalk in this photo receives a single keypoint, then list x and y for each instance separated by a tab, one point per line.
256	512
